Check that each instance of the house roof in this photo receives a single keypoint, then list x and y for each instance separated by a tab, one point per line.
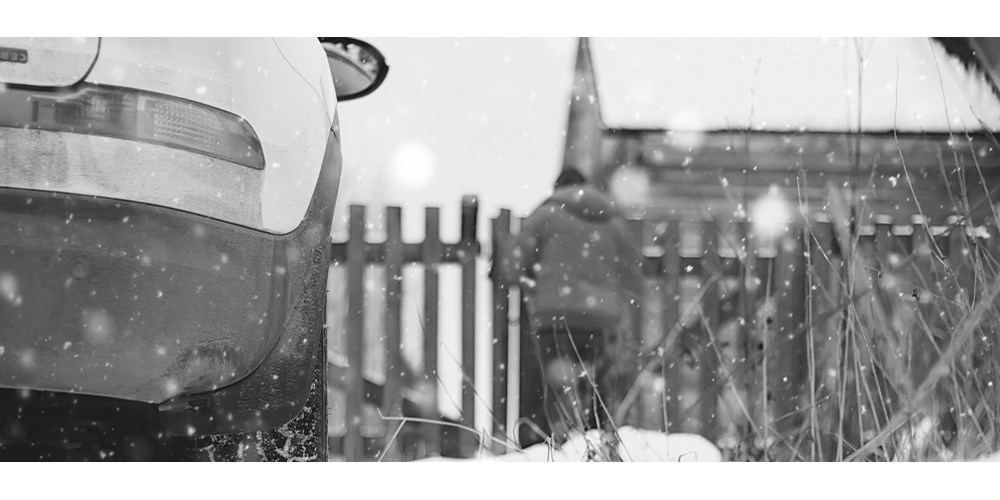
907	84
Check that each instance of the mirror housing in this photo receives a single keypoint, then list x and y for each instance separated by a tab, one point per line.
358	68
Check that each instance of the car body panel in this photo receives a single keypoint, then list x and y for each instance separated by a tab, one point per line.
130	301
145	303
278	387
282	88
50	62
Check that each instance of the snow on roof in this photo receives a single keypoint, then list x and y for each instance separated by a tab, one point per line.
788	84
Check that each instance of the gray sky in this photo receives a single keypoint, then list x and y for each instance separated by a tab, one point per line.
458	116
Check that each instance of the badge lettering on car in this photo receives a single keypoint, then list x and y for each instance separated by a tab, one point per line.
13	55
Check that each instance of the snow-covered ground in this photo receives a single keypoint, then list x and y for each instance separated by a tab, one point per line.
636	445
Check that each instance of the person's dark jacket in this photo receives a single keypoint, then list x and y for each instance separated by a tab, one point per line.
576	261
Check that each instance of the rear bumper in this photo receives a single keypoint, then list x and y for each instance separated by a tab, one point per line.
149	304
128	300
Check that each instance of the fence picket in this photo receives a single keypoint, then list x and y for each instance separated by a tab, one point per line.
354	386
787	355
922	351
671	365
960	260
632	336
824	328
392	401
501	328
755	285
706	350
532	387
431	255
468	251
651	401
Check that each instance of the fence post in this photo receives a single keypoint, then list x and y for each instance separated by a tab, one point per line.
650	403
706	354
392	401
501	330
922	348
755	279
787	355
354	384
824	328
960	260
630	345
885	247
886	310
531	386
670	367
431	256
468	251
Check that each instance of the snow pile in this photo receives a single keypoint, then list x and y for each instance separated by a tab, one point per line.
636	445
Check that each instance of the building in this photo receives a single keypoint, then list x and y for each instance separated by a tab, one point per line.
709	128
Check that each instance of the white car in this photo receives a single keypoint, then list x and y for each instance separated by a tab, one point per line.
165	211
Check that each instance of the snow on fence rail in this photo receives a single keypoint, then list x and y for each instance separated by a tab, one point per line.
741	336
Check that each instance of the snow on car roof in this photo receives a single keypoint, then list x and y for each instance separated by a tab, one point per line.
909	84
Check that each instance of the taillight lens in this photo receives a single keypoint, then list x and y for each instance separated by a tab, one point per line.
134	115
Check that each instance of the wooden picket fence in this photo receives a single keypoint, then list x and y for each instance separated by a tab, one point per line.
749	332
733	330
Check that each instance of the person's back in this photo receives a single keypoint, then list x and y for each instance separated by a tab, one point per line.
576	253
581	276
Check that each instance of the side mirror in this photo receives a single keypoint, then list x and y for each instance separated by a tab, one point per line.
357	67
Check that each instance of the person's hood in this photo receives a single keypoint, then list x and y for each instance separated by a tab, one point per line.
585	202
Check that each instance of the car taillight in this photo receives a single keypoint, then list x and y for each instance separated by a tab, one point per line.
134	115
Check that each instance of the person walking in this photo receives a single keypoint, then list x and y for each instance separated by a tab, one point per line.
580	275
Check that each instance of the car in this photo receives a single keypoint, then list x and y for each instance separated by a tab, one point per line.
165	217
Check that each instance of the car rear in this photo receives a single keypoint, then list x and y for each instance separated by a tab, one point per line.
162	203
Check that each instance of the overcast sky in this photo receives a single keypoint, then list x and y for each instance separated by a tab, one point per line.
454	117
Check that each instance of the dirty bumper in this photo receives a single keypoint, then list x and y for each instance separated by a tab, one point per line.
131	301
